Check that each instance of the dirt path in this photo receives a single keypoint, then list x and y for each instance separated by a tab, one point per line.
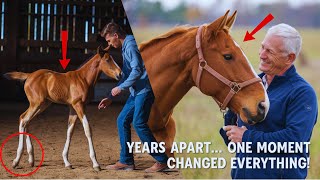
51	127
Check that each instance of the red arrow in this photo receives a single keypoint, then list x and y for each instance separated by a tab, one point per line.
249	36
64	38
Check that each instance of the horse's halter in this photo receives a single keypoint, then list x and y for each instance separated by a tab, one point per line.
234	86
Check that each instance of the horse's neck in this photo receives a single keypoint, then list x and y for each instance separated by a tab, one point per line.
170	70
90	72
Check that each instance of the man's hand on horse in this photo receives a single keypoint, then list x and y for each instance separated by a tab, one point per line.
104	103
234	133
115	91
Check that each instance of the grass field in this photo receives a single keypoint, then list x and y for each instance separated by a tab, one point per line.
198	117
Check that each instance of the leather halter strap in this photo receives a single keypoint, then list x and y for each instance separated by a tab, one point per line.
203	65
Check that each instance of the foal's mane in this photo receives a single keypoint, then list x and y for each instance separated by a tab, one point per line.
176	31
85	61
91	56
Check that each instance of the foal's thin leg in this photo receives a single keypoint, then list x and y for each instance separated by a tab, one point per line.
71	122
24	120
30	151
20	146
79	109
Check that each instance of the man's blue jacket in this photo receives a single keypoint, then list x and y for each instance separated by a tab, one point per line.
135	77
291	118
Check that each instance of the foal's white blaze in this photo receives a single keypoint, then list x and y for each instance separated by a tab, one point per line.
266	101
88	134
114	62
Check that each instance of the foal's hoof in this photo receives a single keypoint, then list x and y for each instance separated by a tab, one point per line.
97	168
31	164
69	167
14	164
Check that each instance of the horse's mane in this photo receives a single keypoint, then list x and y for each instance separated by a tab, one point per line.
85	61
171	33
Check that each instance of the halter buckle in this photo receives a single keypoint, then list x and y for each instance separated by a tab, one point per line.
202	63
223	111
235	87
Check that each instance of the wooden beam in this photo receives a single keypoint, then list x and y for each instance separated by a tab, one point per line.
57	44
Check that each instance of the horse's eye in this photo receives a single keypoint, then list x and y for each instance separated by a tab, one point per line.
108	58
227	57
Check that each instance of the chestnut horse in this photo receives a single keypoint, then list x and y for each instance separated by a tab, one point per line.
216	65
43	87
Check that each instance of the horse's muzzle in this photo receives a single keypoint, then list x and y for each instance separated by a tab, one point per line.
118	76
261	112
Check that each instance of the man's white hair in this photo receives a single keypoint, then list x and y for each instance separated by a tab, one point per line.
291	37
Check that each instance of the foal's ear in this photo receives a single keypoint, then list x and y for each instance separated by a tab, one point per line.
218	24
101	51
231	21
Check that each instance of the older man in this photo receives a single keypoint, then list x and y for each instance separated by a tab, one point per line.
292	114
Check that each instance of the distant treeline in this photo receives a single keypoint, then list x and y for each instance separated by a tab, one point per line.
146	12
303	16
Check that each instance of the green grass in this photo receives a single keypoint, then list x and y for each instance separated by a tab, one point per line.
198	117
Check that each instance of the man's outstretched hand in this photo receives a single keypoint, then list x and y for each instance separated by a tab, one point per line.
104	103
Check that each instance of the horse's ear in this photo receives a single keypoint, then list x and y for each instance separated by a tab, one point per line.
224	21
231	21
100	51
218	24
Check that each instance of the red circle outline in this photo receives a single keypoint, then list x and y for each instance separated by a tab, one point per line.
16	134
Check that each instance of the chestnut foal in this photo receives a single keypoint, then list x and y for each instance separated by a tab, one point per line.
43	87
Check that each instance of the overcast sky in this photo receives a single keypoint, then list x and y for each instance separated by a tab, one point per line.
205	4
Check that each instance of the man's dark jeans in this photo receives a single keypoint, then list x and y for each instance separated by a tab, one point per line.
137	111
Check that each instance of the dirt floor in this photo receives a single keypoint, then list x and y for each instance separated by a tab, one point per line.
50	128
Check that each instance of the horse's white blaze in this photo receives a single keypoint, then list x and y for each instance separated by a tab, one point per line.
253	71
267	102
67	145
88	134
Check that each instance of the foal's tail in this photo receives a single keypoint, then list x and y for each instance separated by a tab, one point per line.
16	76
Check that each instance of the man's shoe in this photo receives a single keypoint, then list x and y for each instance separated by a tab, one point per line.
120	166
157	167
